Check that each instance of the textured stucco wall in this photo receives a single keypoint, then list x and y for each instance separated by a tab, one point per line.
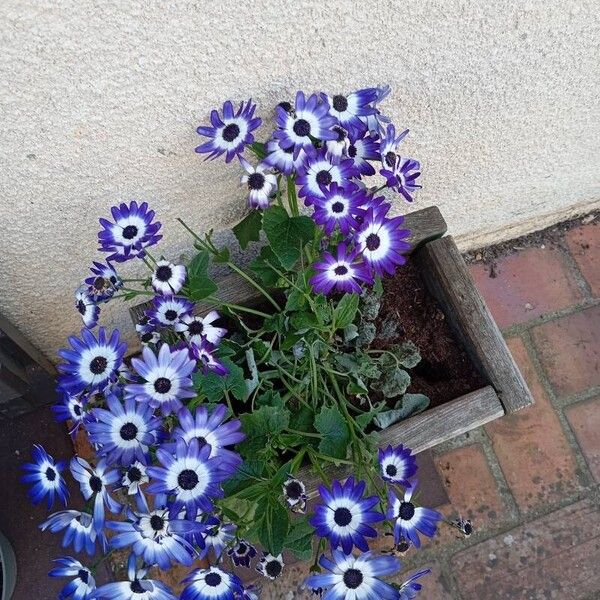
100	101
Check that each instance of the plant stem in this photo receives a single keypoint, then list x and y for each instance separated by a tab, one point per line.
146	292
292	198
306	433
148	264
251	311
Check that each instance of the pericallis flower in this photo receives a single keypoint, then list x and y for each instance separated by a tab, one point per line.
348	109
388	146
168	279
209	428
83	584
242	553
191	476
410	520
361	150
211	583
204	353
402	177
249	592
93	482
70	408
86	307
194	328
355	578
131	232
283	159
345	517
294	492
338	148
381	240
231	133
338	208
166	378
45	475
151	337
410	588
79	530
104	282
270	566
261	184
321	171
375	122
168	310
218	536
341	273
134	477
123	434
92	362
309	120
398	464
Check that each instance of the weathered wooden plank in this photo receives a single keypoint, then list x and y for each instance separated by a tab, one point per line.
425	225
449	280
429	428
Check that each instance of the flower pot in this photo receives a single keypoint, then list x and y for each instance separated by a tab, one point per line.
8	569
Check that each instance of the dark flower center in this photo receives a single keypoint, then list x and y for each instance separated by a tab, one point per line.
98	365
147	337
337	207
136	587
242	548
391	471
273	568
134	474
341	270
340	103
302	127
373	242
230	132
293	490
187	479
390	158
352	151
201	441
468	528
164	273
196	328
50	474
213	579
342	133
286	106
83	575
157	523
170	315
81	306
407	511
95	483
100	283
77	409
144	320
162	385
342	516
128	431
353	578
130	232
324	177
256	181
403	545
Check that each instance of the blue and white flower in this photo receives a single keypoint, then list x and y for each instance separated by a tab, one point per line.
355	578
211	584
242	553
338	148
362	150
134	476
231	132
402	177
104	282
270	566
70	408
79	530
195	328
208	362
284	160
377	121
411	587
388	147
82	585
86	307
398	464
338	208
217	537
133	230
321	171
45	475
169	310
348	109
261	184
294	493
345	518
168	279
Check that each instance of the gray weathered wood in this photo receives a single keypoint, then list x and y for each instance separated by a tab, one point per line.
25	345
425	225
449	280
429	428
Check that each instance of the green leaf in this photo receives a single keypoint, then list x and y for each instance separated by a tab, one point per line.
410	404
214	386
365	419
304	321
302	419
393	383
248	229
223	256
287	235
336	436
275	523
260	426
270	398
296	300
261	265
346	309
199	284
259	149
247	474
299	539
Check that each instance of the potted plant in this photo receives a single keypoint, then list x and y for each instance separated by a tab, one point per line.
255	393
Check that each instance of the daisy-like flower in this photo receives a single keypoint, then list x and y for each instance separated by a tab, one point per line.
211	583
402	177
294	492
348	109
376	122
86	307
217	537
150	338
410	519
321	171
242	553
261	184
338	148
342	273
45	475
209	428
231	132
123	434
168	310
132	231
355	578
309	120
361	150
398	464
270	566
167	378
411	587
204	353
104	282
92	362
382	241
79	530
388	147
82	586
168	279
134	477
70	408
283	159
345	518
191	476
338	208
93	482
196	328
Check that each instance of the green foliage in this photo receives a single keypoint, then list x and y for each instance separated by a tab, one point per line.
248	229
332	426
260	426
345	311
214	386
199	284
287	235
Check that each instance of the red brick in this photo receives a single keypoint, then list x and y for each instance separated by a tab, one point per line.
556	556
534	454
584	244
526	285
584	418
569	349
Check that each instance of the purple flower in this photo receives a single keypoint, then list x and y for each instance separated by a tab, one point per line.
168	278
204	353
211	584
375	123
79	530
131	232
389	146
283	159
195	328
398	464
338	148
45	475
402	177
270	566
242	553
320	171
338	208
230	133
218	535
261	184
82	585
70	408
361	150
410	588
342	273
348	109
104	283
168	310
86	307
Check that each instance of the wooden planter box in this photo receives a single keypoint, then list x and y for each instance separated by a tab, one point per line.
449	281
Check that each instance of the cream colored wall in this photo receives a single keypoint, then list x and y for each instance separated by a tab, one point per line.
100	101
